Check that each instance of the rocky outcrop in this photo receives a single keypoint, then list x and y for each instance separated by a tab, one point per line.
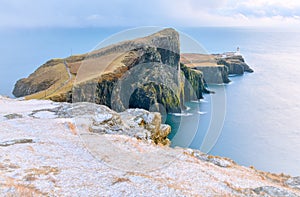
150	95
235	63
207	64
137	123
294	182
214	75
43	78
144	75
146	125
194	83
139	73
216	68
16	141
273	191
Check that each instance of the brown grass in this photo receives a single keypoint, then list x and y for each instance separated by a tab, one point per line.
44	170
72	128
120	180
21	189
198	60
57	72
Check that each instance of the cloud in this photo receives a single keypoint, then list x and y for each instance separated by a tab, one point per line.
238	13
266	8
86	13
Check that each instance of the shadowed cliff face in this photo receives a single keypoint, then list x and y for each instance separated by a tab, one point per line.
194	83
235	64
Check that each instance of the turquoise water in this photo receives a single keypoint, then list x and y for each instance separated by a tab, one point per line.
261	123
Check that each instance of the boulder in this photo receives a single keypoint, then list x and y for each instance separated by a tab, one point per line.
137	123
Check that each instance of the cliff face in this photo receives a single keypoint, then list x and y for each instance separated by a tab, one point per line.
43	78
207	64
136	73
215	75
235	63
194	83
216	67
141	77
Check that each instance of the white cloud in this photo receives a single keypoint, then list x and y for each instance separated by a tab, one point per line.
78	13
238	13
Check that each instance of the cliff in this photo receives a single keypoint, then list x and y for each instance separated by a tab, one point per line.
44	77
83	149
216	68
207	64
235	63
139	73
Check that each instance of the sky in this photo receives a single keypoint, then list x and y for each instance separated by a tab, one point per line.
186	13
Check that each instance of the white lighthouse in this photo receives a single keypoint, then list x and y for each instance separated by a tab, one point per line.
237	51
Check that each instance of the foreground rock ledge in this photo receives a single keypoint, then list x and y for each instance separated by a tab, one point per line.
55	160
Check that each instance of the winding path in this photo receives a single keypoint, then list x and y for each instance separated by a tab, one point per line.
68	70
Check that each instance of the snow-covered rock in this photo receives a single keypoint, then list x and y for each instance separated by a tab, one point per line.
294	182
57	155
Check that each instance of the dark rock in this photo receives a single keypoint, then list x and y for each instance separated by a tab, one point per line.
194	83
149	94
216	67
218	161
235	64
13	116
294	182
214	74
17	141
25	87
273	191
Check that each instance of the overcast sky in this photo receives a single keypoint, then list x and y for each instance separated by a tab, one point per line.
86	13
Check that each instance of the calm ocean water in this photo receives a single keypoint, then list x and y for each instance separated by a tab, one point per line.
261	125
262	121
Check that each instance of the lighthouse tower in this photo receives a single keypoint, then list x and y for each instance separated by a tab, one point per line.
237	51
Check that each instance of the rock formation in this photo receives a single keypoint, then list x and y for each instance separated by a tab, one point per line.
43	78
213	73
137	73
235	63
142	73
216	68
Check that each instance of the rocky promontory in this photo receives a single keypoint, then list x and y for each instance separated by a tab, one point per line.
83	149
216	68
140	73
146	72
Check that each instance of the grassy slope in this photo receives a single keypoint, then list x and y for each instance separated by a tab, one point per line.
56	71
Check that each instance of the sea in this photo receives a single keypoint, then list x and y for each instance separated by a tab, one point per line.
254	120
